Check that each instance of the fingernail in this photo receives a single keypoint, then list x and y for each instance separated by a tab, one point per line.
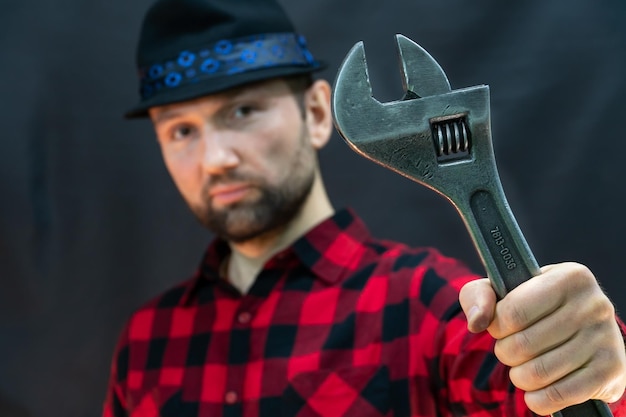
473	314
474	322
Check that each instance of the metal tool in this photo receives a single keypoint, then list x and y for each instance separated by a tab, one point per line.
441	139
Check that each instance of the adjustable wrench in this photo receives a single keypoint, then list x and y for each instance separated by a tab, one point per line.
441	139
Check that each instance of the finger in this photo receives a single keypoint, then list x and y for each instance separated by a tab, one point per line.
531	301
555	397
547	368
478	300
550	333
575	388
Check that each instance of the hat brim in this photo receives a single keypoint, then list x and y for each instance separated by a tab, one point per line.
203	88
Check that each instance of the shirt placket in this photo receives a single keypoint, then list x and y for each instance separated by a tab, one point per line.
239	357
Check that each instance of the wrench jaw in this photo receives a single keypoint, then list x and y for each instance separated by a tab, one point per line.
352	96
430	80
352	90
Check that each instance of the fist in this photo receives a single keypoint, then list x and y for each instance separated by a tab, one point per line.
557	332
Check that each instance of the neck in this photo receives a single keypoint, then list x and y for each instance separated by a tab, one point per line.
247	258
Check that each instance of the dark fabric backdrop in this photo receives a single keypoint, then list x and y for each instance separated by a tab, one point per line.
91	225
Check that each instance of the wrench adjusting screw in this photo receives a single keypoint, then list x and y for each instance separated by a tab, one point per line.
451	138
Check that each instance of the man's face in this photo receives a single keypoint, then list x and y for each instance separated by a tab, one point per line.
243	160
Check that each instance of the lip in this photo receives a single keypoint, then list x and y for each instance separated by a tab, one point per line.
228	194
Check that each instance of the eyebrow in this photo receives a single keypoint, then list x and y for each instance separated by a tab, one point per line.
165	114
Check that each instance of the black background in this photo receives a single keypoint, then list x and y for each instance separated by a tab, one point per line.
91	225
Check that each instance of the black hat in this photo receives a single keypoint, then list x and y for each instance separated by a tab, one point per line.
191	48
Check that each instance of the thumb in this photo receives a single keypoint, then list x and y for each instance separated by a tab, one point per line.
478	301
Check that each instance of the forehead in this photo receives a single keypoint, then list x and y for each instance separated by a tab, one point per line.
263	89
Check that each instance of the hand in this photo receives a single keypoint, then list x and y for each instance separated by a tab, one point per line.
557	332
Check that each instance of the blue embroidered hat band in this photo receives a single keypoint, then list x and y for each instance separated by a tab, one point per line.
226	58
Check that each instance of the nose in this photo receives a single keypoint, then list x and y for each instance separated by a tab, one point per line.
219	153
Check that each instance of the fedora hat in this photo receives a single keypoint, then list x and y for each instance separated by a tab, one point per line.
190	48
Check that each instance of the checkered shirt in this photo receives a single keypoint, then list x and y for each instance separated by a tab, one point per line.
339	324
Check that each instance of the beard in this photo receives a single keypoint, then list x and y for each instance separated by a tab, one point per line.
274	208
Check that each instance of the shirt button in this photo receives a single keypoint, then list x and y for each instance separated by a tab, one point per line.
230	397
244	317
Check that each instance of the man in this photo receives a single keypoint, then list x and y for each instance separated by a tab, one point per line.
295	309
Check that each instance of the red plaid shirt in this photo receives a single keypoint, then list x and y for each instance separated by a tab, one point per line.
339	324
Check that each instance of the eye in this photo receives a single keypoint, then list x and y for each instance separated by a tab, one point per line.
243	111
182	132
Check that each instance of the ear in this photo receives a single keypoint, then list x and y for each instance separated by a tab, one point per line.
318	116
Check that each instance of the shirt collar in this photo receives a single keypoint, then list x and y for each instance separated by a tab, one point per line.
334	248
331	250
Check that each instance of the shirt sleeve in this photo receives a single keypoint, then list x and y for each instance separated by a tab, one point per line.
114	405
619	407
464	376
475	382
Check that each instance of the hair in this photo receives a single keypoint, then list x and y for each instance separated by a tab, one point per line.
298	85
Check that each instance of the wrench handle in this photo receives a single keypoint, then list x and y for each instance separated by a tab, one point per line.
509	262
587	409
505	253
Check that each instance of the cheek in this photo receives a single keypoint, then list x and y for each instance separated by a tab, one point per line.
183	172
279	159
295	163
287	141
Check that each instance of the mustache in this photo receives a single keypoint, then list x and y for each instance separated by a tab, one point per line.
227	178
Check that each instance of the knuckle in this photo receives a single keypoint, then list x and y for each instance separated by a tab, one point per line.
604	309
613	392
516	317
578	277
609	378
599	306
530	376
513	350
554	394
601	327
539	372
581	272
616	394
521	345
